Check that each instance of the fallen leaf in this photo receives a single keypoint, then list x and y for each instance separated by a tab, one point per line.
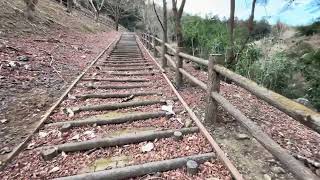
168	109
42	134
76	137
148	147
55	169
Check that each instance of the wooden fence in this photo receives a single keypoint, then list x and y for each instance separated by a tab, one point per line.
216	71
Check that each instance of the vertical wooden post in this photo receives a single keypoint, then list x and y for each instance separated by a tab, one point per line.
179	64
142	38
150	41
154	42
164	62
213	85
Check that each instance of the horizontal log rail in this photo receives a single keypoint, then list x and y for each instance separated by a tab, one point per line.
295	110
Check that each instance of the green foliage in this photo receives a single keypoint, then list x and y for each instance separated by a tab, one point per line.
204	36
309	30
275	73
310	66
261	29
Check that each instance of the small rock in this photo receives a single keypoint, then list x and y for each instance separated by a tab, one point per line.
49	154
242	136
192	167
266	177
278	170
23	58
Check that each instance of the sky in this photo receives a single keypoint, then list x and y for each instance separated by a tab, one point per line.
298	14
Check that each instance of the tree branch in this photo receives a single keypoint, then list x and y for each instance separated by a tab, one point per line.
155	11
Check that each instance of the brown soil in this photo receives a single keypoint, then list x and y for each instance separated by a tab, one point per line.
56	55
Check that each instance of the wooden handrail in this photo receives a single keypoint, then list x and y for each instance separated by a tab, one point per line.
293	165
295	110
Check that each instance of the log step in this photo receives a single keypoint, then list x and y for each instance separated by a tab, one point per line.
131	74
127	61
117	95
91	86
117	80
142	169
114	120
131	69
114	106
131	138
124	65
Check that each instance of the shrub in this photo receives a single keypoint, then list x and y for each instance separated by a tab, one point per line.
309	30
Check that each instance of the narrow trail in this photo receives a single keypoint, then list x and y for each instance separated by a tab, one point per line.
121	121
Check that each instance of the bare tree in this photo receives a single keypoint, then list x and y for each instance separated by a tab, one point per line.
30	8
250	28
118	9
69	6
230	50
164	26
96	6
177	19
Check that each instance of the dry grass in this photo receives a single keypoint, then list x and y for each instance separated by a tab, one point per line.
48	14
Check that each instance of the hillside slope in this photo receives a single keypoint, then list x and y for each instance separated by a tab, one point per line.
38	59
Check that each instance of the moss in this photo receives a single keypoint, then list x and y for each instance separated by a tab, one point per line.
130	131
109	163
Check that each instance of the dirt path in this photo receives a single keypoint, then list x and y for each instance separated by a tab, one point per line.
132	120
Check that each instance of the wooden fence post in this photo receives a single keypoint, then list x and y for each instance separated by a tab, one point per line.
179	64
164	62
142	39
213	85
150	41
154	42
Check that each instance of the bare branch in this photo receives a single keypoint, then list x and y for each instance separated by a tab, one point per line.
155	11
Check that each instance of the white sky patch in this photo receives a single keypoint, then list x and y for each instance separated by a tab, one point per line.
272	11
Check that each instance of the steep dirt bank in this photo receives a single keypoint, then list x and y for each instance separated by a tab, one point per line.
38	59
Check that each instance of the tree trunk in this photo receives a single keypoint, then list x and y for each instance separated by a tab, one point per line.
230	50
96	16
69	6
177	17
165	34
30	8
117	23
